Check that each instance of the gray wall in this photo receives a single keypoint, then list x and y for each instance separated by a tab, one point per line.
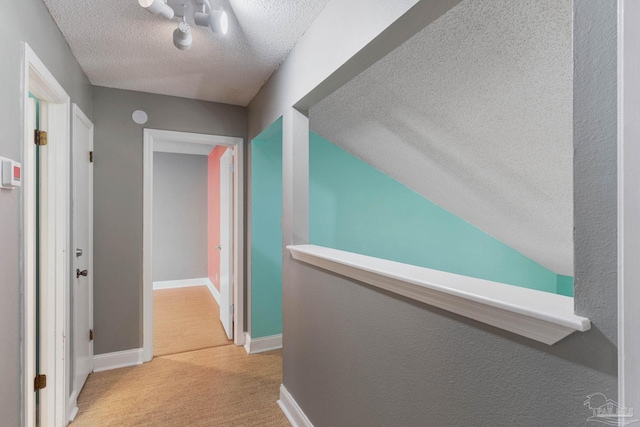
341	31
357	356
180	206
24	20
118	199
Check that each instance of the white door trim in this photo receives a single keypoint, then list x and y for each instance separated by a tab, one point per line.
37	79
628	204
147	230
226	242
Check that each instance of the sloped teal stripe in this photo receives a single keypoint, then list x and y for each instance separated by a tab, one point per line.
356	208
565	285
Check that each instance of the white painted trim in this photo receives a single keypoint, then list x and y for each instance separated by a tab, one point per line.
261	345
183	283
214	292
247	342
73	413
55	118
239	243
192	138
150	135
249	249
541	316
118	359
72	406
628	204
147	245
291	410
178	147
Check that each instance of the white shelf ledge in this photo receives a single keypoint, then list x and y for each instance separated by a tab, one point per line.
538	315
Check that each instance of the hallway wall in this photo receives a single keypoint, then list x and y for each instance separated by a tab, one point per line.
118	199
30	21
180	206
355	355
266	232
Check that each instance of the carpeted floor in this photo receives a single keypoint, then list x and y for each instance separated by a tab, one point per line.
186	319
202	379
220	386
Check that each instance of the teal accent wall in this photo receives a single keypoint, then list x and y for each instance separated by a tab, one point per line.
356	208
565	285
266	233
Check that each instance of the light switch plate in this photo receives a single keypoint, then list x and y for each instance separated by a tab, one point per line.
11	174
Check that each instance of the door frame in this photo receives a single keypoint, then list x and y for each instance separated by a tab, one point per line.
55	116
150	135
78	116
628	204
226	212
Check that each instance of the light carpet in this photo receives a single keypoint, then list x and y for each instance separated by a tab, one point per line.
221	386
186	319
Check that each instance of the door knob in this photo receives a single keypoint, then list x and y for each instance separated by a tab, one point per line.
219	247
78	252
81	273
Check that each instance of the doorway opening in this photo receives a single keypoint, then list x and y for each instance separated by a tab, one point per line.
193	245
191	195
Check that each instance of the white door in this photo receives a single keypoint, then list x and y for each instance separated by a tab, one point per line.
82	289
226	242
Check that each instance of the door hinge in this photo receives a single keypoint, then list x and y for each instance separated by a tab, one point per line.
40	382
90	156
40	137
90	334
233	307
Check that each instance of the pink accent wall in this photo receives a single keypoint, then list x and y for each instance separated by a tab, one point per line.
214	215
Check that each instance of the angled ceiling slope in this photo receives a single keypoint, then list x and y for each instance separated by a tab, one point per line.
475	113
120	45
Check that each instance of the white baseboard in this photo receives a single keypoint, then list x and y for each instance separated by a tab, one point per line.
291	410
118	359
72	406
184	283
247	342
260	345
214	291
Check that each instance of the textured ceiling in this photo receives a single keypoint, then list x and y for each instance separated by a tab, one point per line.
475	113
118	44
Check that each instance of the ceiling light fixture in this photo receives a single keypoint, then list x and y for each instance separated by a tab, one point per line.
199	10
182	37
157	7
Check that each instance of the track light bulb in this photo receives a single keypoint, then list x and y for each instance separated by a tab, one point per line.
157	7
219	21
182	38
